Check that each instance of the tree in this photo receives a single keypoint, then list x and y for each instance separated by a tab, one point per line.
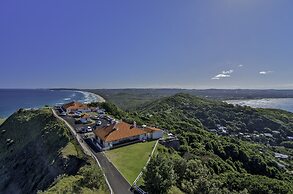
92	177
180	166
159	175
197	178
112	109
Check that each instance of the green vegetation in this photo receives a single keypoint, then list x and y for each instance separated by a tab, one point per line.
36	149
131	159
2	121
175	190
159	175
211	163
69	150
110	108
240	159
89	179
130	99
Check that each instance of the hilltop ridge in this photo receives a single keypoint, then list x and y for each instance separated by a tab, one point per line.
37	153
227	142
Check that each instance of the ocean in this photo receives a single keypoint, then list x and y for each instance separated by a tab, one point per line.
13	99
276	103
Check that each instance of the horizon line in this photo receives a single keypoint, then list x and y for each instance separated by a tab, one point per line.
144	88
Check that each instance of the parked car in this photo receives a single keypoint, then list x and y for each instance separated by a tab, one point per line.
76	115
63	114
95	117
82	130
89	129
77	121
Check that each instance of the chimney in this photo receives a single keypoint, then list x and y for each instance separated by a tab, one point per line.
134	124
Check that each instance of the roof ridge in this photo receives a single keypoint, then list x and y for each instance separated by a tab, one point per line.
113	129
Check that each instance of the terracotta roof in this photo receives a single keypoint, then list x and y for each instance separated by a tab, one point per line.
151	129
85	116
118	131
75	105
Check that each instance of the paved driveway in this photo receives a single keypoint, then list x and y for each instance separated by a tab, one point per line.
116	180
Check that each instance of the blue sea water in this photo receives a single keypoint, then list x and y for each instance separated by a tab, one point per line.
13	99
275	103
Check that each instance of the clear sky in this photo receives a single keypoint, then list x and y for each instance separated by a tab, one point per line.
154	43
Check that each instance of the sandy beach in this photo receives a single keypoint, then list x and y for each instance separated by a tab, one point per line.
91	97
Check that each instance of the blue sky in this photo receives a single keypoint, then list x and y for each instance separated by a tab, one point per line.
158	43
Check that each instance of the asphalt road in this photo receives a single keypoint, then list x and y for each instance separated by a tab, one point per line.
71	121
116	180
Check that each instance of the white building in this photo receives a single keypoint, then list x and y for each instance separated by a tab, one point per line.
120	132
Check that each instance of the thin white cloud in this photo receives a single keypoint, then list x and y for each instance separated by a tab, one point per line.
220	76
224	74
240	65
228	72
265	72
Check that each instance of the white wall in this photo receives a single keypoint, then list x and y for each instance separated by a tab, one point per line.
157	134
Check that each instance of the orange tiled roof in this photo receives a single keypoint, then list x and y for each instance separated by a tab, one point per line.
151	129
85	116
118	131
75	105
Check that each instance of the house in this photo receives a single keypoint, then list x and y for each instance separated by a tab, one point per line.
153	133
119	133
72	107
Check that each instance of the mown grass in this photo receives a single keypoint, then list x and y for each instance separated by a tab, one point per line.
131	159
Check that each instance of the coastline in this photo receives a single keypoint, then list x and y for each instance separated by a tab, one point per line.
91	97
11	100
273	103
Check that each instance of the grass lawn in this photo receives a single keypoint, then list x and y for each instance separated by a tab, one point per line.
131	159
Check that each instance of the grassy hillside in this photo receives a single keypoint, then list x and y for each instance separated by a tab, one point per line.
37	152
1	121
129	99
210	113
207	162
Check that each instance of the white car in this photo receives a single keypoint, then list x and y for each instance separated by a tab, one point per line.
63	114
89	129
